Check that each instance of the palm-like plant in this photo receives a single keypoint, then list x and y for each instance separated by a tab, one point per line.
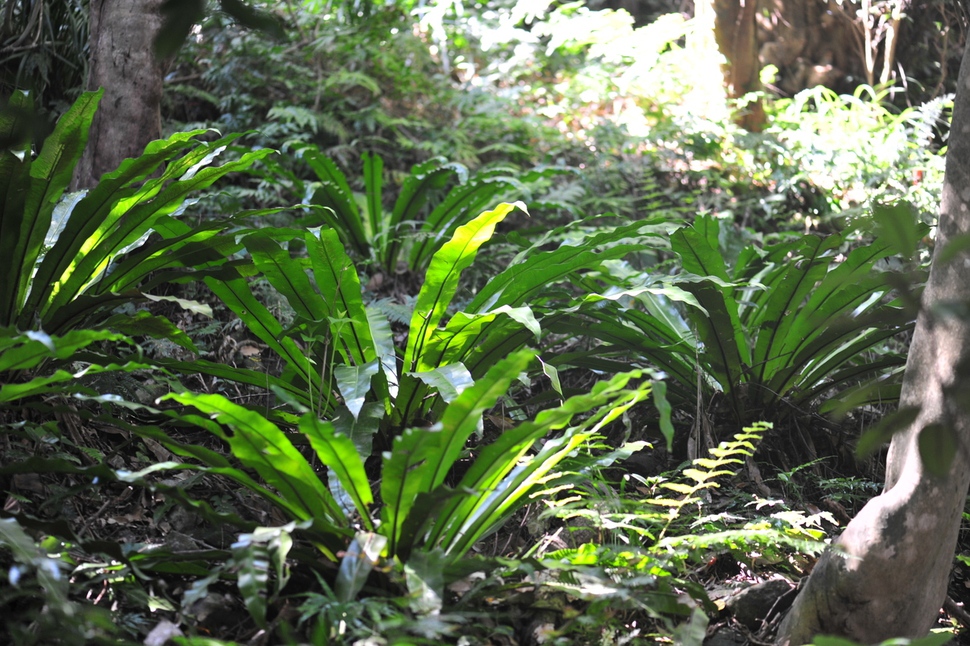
424	215
64	260
789	324
425	510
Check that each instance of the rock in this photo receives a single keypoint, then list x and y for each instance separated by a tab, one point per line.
726	636
752	605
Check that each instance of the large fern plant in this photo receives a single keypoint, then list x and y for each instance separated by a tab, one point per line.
787	326
67	260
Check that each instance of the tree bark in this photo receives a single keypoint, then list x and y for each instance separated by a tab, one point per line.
122	61
888	575
736	36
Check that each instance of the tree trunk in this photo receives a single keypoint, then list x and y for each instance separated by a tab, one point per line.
888	575
736	36
124	64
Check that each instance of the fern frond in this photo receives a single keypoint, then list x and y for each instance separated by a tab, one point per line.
706	470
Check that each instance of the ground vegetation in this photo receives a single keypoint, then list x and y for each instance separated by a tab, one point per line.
432	323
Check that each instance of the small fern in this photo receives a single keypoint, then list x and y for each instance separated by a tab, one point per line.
706	471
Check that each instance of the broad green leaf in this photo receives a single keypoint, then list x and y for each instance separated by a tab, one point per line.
28	203
287	275
878	390
414	194
841	341
185	303
698	252
252	576
361	430
441	280
463	417
726	350
832	316
101	209
130	221
198	247
236	295
259	379
477	341
353	382
779	309
449	380
334	193
671	349
553	375
29	350
513	491
424	573
465	333
383	338
406	469
61	381
644	293
373	194
499	479
262	446
338	453
144	323
461	204
339	285
694	631
358	561
522	282
659	392
502	339
726	355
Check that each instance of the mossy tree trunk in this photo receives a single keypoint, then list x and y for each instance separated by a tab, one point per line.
888	575
122	61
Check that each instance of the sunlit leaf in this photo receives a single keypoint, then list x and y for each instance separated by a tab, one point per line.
262	446
441	280
338	453
424	575
357	563
353	382
449	380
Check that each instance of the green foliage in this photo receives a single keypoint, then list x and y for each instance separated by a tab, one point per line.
647	546
933	639
35	599
340	345
787	325
661	522
424	216
178	17
859	148
704	473
258	563
419	511
374	447
22	356
65	260
44	48
347	344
